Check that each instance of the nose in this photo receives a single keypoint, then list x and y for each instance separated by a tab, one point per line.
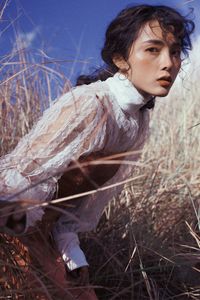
166	61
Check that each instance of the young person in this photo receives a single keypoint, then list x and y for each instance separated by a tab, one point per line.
105	115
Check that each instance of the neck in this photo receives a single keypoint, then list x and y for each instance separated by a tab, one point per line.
147	97
128	97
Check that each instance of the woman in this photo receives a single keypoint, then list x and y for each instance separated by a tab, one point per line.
68	150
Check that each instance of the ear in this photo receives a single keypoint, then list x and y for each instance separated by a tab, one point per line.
120	62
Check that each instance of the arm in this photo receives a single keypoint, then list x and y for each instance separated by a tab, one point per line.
89	209
75	125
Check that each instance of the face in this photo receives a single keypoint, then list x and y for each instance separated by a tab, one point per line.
154	61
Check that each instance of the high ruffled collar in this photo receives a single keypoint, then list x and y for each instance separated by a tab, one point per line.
128	97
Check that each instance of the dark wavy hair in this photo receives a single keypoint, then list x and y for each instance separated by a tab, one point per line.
125	28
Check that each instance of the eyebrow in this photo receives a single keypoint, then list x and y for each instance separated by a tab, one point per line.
161	43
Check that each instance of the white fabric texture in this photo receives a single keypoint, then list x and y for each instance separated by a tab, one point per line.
101	117
68	245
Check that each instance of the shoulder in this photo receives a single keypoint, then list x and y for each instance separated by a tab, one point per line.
96	93
98	89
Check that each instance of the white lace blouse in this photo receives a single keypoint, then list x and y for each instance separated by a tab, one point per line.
101	117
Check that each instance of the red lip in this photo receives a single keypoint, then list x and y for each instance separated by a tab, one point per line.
165	81
167	78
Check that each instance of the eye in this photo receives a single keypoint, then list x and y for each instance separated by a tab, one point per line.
153	50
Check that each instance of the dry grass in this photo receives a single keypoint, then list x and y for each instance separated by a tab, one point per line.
153	251
148	241
146	245
26	89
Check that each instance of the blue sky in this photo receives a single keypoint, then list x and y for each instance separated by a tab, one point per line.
69	29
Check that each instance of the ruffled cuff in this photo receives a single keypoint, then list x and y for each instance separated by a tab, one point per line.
16	187
13	182
68	245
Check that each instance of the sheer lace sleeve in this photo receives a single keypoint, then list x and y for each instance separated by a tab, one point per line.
85	213
74	125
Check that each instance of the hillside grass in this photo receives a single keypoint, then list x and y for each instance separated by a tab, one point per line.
147	244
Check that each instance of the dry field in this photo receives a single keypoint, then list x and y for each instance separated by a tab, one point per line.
147	244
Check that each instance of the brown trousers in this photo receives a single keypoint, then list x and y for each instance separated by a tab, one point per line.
47	269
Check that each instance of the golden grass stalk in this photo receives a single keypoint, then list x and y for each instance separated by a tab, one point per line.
148	238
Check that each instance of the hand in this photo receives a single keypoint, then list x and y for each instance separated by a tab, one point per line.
12	217
80	276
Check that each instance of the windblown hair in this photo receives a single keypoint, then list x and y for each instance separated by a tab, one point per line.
125	28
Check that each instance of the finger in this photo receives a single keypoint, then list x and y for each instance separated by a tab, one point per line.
16	227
